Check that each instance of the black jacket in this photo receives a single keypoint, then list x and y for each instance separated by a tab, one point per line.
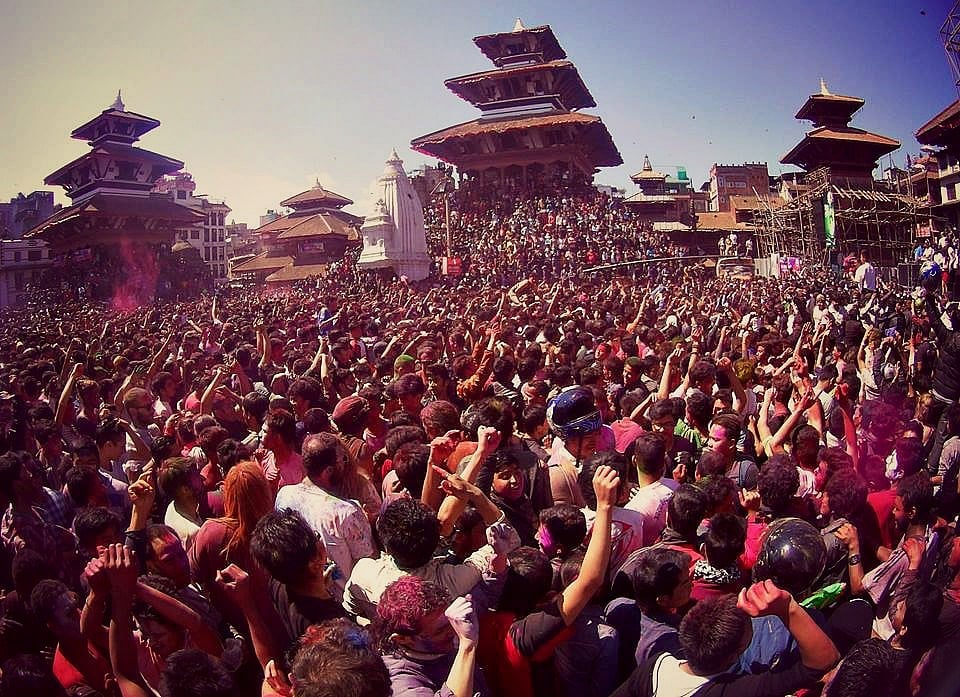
946	374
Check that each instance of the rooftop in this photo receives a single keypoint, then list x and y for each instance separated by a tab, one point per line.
263	262
822	145
297	272
937	130
566	82
604	151
316	196
504	46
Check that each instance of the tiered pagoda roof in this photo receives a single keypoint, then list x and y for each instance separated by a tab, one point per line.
523	83
300	244
111	187
528	104
833	143
647	173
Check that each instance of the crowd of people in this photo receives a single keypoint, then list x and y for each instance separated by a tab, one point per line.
545	233
529	480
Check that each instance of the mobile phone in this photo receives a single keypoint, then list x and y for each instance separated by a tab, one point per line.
890	332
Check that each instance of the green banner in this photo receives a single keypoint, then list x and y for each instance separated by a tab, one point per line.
829	221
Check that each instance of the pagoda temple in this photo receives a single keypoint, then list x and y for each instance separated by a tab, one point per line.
841	209
529	131
114	238
665	202
850	153
304	242
110	188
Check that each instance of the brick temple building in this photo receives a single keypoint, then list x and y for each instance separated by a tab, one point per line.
302	244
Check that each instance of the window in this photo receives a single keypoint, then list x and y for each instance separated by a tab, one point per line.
127	171
182	195
951	193
16	257
194	234
18	280
206	235
206	254
33	255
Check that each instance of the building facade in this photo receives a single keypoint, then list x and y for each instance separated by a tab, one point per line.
22	263
736	180
941	137
25	211
209	237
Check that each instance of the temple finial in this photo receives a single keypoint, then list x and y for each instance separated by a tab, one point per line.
118	103
823	87
519	25
647	167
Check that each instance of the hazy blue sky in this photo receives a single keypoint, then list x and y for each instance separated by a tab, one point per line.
260	98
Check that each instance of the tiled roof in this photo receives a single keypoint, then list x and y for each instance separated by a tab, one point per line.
605	151
263	263
297	273
317	195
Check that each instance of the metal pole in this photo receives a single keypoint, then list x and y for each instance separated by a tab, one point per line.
446	211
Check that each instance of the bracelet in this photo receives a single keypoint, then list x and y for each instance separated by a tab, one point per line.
854	560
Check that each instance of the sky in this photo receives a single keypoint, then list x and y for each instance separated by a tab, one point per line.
262	99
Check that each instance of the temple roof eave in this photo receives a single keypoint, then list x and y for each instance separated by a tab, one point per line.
840	103
945	123
487	43
113	149
604	148
144	123
871	145
316	195
579	96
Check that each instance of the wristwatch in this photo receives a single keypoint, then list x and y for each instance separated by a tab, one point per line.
853	560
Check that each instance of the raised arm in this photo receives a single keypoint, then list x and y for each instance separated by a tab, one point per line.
817	652
206	400
202	634
63	404
666	377
121	568
783	433
236	583
594	568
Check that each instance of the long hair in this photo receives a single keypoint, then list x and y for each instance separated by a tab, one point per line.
246	499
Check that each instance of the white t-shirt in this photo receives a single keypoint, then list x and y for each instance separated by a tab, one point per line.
866	276
186	528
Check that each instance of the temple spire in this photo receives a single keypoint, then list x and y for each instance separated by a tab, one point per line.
647	167
118	103
518	26
823	88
